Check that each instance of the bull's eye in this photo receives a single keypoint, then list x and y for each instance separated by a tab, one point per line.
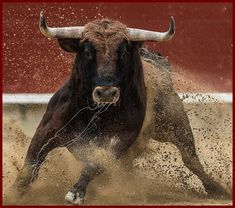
88	54
124	55
123	51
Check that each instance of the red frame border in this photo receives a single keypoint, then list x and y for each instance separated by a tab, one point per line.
112	1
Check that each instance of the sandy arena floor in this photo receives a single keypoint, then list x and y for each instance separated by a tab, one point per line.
159	176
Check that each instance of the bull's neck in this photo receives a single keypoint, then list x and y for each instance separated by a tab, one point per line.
136	95
135	90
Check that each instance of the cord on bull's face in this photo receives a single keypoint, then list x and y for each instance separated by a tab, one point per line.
95	116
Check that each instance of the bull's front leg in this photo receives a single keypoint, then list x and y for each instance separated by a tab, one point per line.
42	143
77	193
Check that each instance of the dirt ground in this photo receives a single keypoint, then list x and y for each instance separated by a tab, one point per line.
159	176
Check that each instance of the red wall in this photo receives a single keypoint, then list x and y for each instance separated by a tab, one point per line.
202	44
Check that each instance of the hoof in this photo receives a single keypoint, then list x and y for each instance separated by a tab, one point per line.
74	198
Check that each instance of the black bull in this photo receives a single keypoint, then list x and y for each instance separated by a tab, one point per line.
104	103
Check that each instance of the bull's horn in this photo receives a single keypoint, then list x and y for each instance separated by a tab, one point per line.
146	35
59	32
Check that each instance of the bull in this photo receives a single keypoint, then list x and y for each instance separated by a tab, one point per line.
113	85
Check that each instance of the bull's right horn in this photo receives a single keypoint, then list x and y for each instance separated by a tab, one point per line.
146	35
59	32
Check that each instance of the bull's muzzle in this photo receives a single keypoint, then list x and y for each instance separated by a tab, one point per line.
103	94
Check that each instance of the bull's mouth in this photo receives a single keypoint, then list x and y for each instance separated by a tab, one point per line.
103	95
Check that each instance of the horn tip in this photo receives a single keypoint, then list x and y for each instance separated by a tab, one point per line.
172	25
42	22
172	21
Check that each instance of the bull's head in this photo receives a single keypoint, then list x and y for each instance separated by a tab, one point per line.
107	52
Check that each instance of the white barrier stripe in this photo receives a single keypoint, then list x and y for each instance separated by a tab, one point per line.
26	98
206	97
43	98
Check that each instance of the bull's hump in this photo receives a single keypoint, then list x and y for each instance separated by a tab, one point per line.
156	78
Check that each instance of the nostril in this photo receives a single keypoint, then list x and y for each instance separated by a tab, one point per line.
99	93
114	93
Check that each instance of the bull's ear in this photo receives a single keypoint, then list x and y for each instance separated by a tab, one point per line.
69	45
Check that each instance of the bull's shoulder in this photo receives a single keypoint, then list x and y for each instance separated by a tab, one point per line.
57	108
60	97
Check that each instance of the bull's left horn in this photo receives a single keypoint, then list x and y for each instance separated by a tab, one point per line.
59	32
146	35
